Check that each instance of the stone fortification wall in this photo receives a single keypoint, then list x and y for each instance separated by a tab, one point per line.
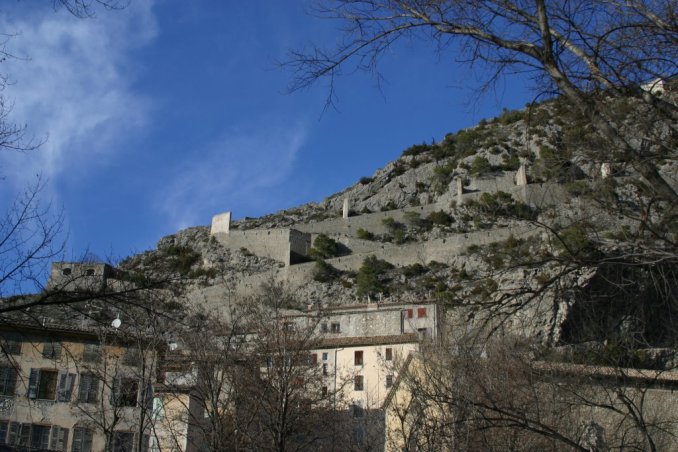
505	182
299	245
441	250
284	245
371	222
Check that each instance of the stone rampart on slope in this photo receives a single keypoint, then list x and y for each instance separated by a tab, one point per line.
285	245
441	250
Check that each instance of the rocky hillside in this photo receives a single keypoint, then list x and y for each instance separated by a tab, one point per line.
521	277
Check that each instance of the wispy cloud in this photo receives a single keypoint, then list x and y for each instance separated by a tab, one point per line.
73	86
242	167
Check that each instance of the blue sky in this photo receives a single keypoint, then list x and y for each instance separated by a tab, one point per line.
163	114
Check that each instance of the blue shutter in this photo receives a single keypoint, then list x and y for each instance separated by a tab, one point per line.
33	384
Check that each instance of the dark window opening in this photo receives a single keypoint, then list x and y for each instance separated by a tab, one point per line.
42	384
335	328
358	383
358	358
389	381
389	354
125	391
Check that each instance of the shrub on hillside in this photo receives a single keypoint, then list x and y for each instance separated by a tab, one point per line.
364	234
417	149
324	272
324	247
369	277
440	218
480	166
182	258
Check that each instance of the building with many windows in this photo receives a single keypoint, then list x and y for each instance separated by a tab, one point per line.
74	389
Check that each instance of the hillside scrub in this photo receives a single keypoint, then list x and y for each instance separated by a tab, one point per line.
370	279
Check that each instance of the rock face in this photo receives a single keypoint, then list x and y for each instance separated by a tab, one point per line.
459	200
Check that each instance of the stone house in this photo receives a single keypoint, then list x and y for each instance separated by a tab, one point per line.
66	388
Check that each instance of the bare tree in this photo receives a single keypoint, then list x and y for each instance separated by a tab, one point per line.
288	404
586	51
501	399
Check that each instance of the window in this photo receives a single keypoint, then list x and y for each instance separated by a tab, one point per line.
132	357
89	272
59	438
51	350
357	410
389	381
358	358
158	408
323	327
82	440
324	391
358	383
89	388
389	354
11	345
124	391
92	353
7	380
324	368
39	435
123	441
65	388
421	313
66	271
408	313
325	356
42	384
311	359
335	328
9	432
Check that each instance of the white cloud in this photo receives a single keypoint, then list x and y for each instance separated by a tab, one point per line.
74	87
243	166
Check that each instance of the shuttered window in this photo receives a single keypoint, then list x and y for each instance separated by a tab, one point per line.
65	388
51	350
82	440
7	380
88	389
59	438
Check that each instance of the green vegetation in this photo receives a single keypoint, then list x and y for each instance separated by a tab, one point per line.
502	204
417	149
574	242
414	270
324	272
365	180
440	218
370	276
182	258
324	247
396	230
364	234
